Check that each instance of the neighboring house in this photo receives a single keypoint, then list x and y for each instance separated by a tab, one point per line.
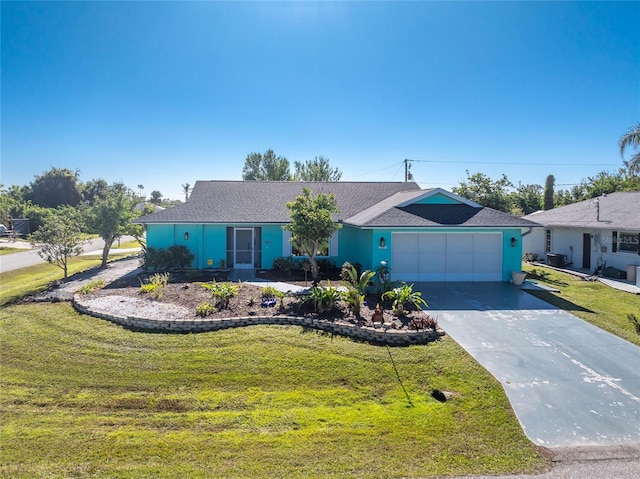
424	235
592	233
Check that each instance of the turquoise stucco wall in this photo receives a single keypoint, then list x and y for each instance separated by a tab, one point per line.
511	256
438	199
354	246
214	246
272	243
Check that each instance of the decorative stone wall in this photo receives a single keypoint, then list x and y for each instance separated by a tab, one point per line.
382	335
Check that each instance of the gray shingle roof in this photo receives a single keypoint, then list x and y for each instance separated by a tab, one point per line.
617	211
265	201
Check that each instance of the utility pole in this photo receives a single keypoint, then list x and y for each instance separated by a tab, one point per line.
407	173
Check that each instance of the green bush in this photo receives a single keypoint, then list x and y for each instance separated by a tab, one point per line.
404	296
91	286
176	257
204	309
154	285
324	298
221	293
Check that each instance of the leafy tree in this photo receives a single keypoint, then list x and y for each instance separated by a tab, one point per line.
317	169
267	167
312	224
60	237
631	139
156	197
110	217
94	189
56	187
549	185
483	190
527	199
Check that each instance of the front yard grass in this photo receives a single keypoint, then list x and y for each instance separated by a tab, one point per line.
81	397
597	303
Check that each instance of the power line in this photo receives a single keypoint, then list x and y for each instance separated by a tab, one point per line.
512	163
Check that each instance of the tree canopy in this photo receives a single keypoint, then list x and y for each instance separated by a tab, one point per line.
53	188
486	192
317	169
266	167
312	224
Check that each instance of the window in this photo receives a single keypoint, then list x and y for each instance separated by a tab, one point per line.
628	242
327	248
548	241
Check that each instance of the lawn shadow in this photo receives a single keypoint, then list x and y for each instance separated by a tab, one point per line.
537	274
557	301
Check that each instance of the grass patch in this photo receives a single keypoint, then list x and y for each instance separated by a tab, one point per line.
10	250
16	284
599	304
82	397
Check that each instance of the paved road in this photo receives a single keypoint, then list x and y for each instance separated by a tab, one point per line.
29	257
570	383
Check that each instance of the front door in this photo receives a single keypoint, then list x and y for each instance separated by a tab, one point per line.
586	251
243	254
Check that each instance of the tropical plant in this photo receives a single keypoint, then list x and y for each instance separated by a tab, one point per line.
404	296
631	139
356	286
221	293
176	257
204	309
426	322
324	298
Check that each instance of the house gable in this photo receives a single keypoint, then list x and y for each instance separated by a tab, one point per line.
438	196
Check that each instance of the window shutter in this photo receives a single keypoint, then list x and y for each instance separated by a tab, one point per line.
333	244
286	243
614	242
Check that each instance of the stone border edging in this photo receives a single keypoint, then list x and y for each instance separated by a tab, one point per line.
391	337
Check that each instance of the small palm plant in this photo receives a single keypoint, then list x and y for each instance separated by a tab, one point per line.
404	296
356	286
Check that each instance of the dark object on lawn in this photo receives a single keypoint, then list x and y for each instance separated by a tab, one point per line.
557	260
635	321
611	272
439	395
268	302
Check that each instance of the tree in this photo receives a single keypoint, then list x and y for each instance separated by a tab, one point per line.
267	167
156	197
186	188
631	138
60	237
110	217
317	169
311	224
548	192
94	189
527	199
481	189
56	187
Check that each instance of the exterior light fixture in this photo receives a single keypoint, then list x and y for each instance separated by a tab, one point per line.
383	243
514	242
186	236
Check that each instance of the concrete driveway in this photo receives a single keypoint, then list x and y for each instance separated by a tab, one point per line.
570	383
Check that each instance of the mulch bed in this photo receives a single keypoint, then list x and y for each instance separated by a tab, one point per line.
184	289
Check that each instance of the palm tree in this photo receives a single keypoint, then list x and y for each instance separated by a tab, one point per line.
631	138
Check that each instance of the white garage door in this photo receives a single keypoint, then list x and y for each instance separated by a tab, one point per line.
447	256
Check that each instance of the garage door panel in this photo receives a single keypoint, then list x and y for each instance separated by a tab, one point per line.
447	256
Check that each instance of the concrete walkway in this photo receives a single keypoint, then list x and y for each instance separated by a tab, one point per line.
570	383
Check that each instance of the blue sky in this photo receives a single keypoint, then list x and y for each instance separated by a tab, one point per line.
167	93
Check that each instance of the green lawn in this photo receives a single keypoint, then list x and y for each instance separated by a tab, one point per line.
592	301
81	397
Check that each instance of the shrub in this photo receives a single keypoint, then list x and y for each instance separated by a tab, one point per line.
635	321
91	286
176	257
221	293
204	309
324	298
268	292
404	296
285	264
154	285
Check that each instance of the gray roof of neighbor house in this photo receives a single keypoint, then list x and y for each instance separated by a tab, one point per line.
363	204
614	211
